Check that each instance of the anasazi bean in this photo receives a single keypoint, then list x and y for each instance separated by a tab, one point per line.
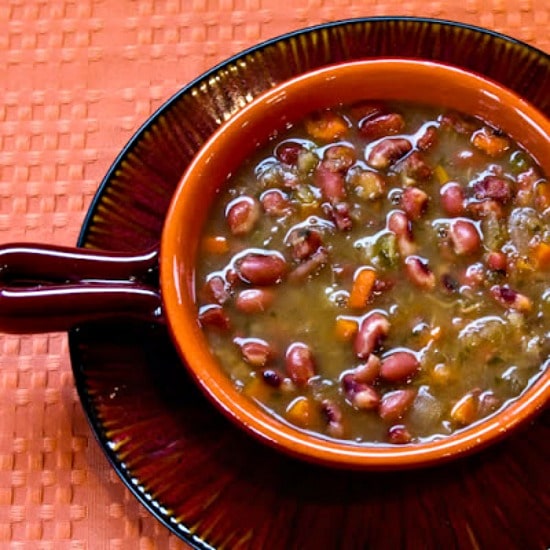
300	363
372	330
262	269
383	274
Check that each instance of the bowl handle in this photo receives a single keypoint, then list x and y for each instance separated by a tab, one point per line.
47	288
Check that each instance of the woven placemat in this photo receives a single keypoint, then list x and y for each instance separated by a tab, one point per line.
78	78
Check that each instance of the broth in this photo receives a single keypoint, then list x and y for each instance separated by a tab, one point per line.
379	273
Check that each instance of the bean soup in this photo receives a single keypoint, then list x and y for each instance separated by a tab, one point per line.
379	273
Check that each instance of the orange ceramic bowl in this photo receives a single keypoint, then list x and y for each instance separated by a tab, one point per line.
392	79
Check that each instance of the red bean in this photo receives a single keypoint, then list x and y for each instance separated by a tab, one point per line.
300	364
493	187
254	300
372	330
416	167
488	402
304	242
309	267
384	285
380	125
497	261
368	371
361	396
214	316
464	237
334	417
511	299
387	152
288	152
458	122
419	272
452	199
399	223
242	214
331	183
474	275
341	216
399	366
414	202
216	290
331	410
276	203
255	352
399	435
428	139
366	109
262	269
395	404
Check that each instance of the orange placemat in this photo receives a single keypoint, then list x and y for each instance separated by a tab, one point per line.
78	77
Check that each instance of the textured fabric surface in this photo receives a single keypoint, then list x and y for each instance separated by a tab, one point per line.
78	78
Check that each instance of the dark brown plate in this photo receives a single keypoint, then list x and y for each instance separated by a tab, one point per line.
205	480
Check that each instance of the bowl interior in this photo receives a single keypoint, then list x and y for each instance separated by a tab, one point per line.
391	79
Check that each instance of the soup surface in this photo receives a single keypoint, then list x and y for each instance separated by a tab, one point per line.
380	273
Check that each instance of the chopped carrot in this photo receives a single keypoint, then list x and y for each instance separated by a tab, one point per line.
326	126
465	410
490	143
345	328
525	264
361	290
541	255
256	388
441	174
299	411
542	199
215	244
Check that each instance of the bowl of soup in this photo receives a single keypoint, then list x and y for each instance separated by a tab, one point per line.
368	286
353	268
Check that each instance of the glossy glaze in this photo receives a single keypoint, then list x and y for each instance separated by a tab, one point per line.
427	82
46	288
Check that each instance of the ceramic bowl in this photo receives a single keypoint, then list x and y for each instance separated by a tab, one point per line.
103	285
346	83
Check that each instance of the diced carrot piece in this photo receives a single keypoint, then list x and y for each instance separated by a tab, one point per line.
441	174
299	412
541	255
361	290
525	264
345	328
257	389
490	143
327	126
465	410
542	198
215	244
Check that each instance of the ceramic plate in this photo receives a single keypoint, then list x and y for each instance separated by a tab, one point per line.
206	480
